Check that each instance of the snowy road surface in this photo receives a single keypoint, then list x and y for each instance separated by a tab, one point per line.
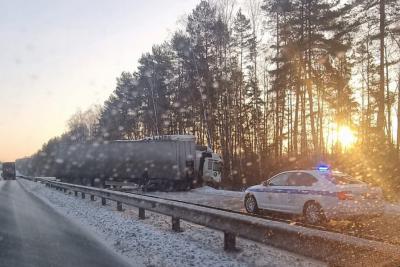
34	234
151	242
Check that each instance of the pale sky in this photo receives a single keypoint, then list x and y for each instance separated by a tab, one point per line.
58	56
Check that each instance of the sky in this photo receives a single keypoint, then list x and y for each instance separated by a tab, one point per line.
59	56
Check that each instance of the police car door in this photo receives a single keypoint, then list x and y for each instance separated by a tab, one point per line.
276	196
301	183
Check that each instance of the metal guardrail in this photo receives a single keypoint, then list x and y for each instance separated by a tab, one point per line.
333	248
119	185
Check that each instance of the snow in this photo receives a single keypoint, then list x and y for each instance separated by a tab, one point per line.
212	191
209	196
151	242
392	209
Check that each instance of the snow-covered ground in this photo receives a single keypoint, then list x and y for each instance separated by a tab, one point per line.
392	209
213	191
209	196
151	242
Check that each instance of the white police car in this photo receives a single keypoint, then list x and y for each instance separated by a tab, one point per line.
319	195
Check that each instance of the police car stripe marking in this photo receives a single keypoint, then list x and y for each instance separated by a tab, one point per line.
294	191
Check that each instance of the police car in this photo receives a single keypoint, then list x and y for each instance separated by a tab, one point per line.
319	195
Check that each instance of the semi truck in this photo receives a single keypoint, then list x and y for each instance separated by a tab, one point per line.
8	170
208	164
168	163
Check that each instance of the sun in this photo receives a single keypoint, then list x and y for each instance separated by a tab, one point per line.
346	136
341	135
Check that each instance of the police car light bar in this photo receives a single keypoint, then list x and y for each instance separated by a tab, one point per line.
323	168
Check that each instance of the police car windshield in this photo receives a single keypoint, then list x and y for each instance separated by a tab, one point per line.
341	179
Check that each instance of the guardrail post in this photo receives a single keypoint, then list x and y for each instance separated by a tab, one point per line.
65	190
83	195
119	206
103	201
229	241
92	197
76	193
142	213
176	224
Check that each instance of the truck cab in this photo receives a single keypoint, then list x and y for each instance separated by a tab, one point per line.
210	165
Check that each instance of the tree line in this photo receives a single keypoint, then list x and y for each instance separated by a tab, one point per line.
268	84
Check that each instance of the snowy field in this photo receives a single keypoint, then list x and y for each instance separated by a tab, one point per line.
152	242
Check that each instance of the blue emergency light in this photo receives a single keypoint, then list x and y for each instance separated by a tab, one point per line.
323	168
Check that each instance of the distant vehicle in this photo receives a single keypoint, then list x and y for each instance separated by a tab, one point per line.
319	195
8	172
165	163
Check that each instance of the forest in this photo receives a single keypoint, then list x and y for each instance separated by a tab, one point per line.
270	85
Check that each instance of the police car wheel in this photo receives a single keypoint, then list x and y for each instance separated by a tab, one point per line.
313	213
250	204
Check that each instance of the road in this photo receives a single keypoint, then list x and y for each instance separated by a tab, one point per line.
34	234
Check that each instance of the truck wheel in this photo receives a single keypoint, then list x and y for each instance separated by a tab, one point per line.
250	203
313	213
212	184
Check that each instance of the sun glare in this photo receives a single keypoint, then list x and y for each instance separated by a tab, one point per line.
341	135
346	136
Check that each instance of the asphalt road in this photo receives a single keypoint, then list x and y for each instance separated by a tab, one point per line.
33	234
